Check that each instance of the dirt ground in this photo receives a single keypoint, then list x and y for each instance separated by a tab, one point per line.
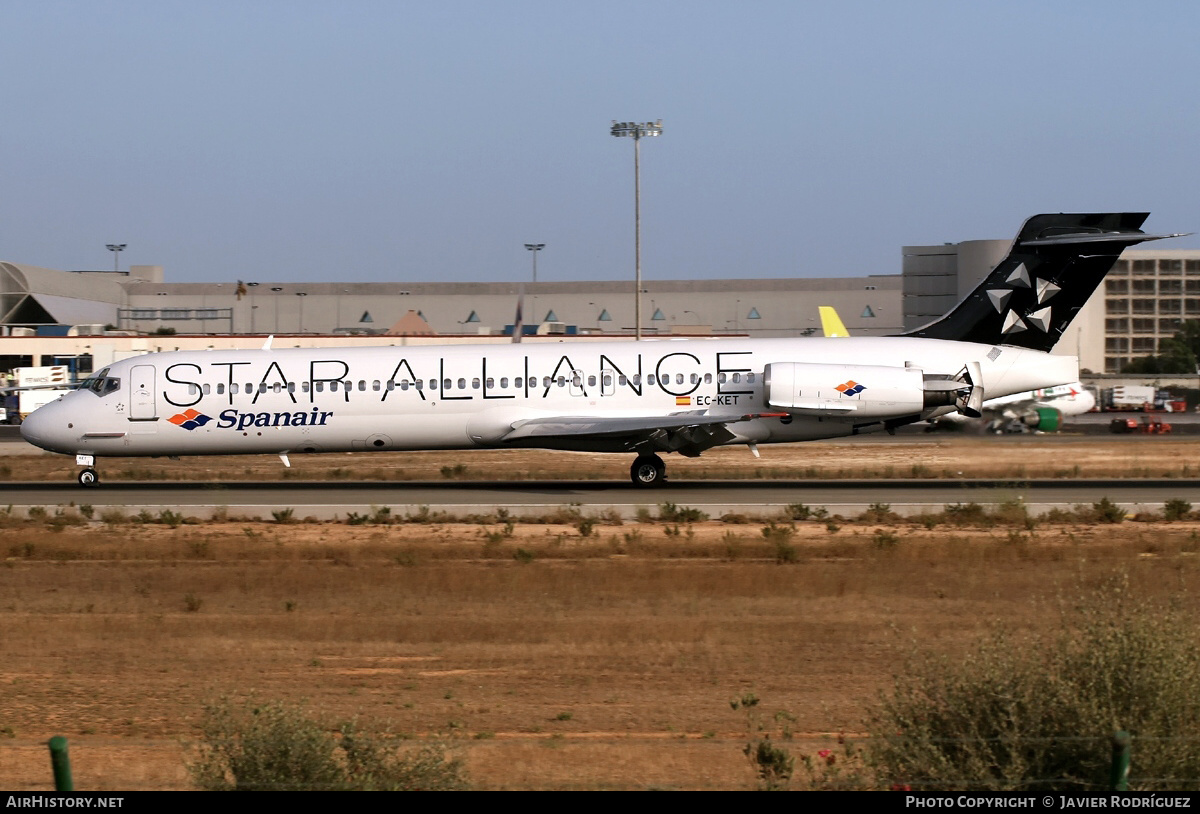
549	656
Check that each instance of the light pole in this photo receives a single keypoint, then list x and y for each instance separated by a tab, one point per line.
276	289
251	287
301	295
116	249
535	248
636	131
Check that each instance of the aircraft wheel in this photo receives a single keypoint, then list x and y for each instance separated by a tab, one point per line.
648	470
88	477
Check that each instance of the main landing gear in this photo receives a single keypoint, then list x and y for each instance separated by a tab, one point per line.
648	470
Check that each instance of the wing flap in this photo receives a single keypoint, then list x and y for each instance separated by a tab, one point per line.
585	426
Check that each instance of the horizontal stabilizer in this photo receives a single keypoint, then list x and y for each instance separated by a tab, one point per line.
1103	237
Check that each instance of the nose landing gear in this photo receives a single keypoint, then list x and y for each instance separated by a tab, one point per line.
88	475
648	470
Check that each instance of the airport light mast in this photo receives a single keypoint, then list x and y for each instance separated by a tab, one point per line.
116	249
636	131
535	248
301	295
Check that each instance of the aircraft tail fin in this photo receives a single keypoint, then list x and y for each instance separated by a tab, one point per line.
831	323
1054	265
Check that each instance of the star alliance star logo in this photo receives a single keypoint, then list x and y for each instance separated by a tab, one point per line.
189	420
1037	316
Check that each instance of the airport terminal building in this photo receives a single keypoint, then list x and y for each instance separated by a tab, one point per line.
88	318
48	313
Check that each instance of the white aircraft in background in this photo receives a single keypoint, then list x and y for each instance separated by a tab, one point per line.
641	398
1041	410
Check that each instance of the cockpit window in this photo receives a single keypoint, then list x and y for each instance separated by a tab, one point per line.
101	384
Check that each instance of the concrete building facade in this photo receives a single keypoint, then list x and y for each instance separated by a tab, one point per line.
869	305
40	304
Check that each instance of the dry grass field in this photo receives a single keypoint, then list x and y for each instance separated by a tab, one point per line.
544	657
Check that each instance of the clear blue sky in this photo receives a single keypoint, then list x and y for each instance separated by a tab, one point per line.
406	141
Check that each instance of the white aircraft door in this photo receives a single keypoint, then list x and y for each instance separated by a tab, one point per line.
141	394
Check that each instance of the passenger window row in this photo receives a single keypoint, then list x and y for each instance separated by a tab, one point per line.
504	383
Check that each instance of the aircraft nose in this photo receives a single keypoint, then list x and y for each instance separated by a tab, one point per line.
33	428
46	427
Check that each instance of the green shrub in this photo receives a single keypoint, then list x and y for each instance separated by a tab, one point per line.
1107	512
1038	715
493	538
879	513
772	764
799	511
670	513
1177	509
423	516
885	539
269	746
964	514
780	538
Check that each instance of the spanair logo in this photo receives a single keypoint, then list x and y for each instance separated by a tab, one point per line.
232	419
189	420
851	388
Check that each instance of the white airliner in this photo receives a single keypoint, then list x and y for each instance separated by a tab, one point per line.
1033	411
642	398
1036	411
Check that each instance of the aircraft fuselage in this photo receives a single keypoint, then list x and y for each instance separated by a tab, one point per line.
458	397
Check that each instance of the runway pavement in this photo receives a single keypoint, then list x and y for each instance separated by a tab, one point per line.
461	499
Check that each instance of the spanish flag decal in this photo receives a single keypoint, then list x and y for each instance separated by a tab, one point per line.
683	401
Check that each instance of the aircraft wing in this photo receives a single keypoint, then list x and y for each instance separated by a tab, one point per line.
595	426
18	388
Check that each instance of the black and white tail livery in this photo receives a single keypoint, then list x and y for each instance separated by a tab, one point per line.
1054	265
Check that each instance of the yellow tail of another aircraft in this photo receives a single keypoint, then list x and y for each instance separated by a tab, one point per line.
831	323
